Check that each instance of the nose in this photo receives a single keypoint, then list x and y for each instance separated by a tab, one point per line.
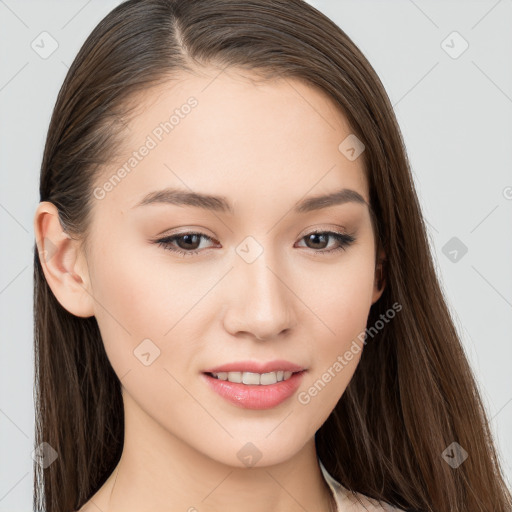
260	302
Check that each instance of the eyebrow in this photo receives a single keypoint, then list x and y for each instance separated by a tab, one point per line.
221	204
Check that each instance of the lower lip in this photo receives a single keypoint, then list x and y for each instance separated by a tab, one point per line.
255	396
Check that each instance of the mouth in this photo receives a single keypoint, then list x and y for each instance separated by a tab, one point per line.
255	390
252	378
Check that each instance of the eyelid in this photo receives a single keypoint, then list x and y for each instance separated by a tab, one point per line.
314	228
186	230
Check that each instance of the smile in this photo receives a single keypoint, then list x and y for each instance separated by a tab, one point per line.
251	390
256	379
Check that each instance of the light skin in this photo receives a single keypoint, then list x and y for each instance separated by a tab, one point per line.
264	147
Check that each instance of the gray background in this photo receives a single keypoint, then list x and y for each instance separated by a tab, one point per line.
455	114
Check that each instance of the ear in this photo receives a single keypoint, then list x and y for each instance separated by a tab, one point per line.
380	276
63	263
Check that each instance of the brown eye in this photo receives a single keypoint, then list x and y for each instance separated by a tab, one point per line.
187	243
318	240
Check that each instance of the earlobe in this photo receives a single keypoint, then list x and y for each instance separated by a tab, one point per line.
63	265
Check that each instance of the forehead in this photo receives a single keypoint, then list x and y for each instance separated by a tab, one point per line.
228	131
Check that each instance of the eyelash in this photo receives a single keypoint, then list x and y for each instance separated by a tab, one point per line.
344	240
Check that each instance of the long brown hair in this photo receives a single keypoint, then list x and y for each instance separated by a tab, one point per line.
413	392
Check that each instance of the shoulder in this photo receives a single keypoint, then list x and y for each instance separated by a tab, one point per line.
352	501
356	502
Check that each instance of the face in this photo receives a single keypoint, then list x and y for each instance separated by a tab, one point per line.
257	274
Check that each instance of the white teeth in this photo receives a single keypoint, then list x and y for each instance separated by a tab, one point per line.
251	378
234	377
268	378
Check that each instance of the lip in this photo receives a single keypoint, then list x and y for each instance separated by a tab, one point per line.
255	396
257	367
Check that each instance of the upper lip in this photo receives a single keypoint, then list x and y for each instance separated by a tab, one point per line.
256	367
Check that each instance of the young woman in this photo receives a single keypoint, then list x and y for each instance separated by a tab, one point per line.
235	301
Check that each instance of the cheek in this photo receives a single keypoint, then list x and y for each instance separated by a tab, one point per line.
144	305
127	304
142	294
341	307
336	357
340	297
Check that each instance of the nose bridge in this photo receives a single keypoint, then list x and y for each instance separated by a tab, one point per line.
262	303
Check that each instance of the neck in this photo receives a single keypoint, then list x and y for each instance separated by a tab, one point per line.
159	472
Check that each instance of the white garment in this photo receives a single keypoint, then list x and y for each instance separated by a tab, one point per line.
346	502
